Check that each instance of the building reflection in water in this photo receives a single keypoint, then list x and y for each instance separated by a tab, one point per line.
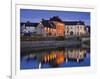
75	54
56	57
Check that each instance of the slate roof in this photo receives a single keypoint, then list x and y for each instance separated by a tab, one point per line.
48	23
74	23
29	24
56	18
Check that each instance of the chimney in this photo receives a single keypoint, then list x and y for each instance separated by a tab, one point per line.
42	19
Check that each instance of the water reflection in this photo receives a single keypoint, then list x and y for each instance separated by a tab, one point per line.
60	57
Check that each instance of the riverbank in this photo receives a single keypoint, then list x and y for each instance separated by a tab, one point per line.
40	45
29	45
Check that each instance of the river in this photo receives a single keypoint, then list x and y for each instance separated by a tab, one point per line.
60	57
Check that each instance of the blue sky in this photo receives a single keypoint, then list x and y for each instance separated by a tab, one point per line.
36	15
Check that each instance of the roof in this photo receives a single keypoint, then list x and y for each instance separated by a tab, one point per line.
30	24
22	23
88	26
56	18
74	23
48	23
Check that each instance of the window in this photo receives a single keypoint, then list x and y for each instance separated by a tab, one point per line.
78	27
71	27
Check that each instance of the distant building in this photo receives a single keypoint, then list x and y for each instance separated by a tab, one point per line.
28	28
75	28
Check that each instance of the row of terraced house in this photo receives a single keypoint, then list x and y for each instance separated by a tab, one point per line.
54	27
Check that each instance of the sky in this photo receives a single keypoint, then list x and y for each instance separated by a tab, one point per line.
36	15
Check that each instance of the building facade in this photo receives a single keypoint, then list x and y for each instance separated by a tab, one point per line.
52	27
60	26
55	27
75	28
28	28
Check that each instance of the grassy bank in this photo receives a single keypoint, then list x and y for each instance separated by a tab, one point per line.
40	38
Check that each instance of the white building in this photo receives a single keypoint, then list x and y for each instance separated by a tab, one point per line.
76	28
40	29
28	28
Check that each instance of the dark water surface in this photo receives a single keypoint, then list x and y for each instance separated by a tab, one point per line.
55	58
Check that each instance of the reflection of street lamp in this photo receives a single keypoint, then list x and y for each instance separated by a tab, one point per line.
40	65
66	60
77	59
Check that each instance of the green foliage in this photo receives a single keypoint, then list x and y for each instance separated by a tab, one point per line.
60	38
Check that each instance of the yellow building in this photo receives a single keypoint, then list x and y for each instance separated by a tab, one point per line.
53	27
59	25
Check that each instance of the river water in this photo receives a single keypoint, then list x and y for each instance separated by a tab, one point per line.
56	58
